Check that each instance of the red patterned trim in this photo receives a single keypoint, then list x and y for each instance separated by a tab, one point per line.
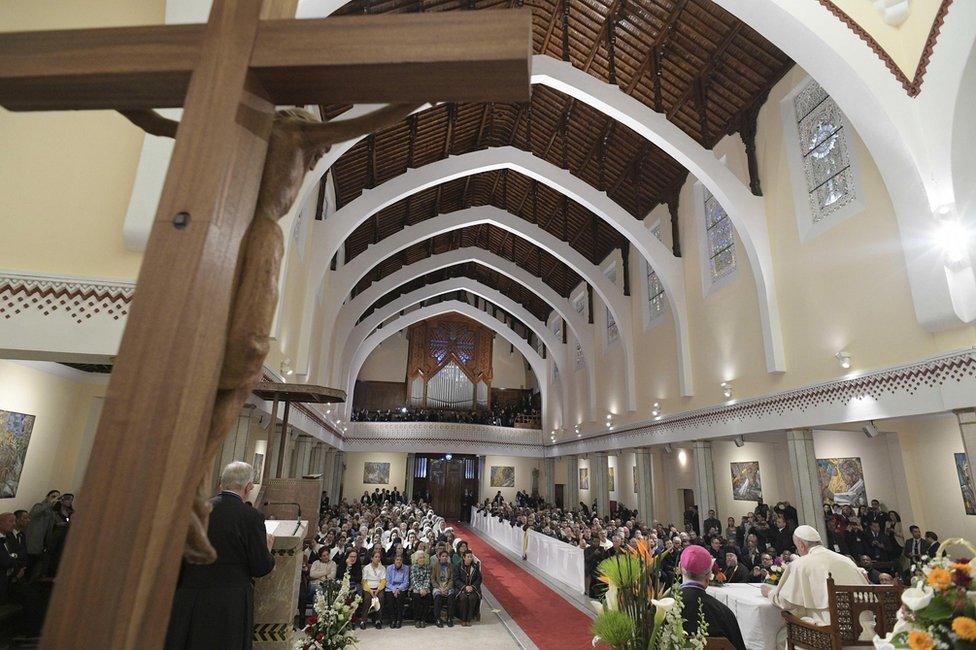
79	300
886	383
912	86
385	442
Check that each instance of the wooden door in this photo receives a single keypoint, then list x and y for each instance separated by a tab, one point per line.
445	488
559	495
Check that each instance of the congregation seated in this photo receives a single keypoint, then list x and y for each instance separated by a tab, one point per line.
402	560
502	416
761	545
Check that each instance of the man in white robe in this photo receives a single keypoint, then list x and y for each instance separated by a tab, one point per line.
802	590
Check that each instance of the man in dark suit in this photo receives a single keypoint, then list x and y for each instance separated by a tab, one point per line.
696	571
876	544
11	562
214	603
917	546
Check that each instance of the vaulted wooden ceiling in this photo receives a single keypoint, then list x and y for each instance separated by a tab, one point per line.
487	276
689	59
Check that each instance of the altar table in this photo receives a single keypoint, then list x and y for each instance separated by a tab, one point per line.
759	620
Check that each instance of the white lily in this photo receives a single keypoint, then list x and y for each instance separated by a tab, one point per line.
917	598
664	604
595	640
883	644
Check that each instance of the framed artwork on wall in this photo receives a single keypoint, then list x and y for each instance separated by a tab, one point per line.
376	473
746	482
15	433
258	466
965	485
584	478
502	476
842	481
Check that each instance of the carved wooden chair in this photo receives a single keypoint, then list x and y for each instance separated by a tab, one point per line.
846	603
718	643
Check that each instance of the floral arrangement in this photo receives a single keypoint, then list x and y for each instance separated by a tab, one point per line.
940	608
638	612
774	573
330	628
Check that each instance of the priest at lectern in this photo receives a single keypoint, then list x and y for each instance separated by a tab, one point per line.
214	603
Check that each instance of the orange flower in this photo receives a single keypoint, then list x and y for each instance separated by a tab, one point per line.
961	566
939	578
920	640
965	627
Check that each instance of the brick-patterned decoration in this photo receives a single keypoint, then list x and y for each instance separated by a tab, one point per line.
443	436
906	381
79	299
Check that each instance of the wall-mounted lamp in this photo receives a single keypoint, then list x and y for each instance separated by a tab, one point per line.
727	389
656	409
668	448
739	441
844	359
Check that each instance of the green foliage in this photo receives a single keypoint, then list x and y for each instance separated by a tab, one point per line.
616	628
622	571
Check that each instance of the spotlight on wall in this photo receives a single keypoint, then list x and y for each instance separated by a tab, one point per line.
727	389
609	416
579	435
739	441
870	430
656	410
844	359
448	456
285	367
668	448
952	236
403	409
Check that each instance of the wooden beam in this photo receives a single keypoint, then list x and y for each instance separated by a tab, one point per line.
672	201
160	397
653	51
706	71
387	58
625	257
449	136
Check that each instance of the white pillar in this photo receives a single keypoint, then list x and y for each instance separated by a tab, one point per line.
600	471
705	481
571	495
328	470
408	480
549	476
234	446
337	474
806	479
644	463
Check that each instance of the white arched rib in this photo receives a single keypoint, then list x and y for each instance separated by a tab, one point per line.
557	350
344	221
342	281
351	311
371	342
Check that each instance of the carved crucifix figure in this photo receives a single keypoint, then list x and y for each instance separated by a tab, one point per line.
196	331
296	143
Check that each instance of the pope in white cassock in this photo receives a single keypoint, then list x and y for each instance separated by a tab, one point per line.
802	590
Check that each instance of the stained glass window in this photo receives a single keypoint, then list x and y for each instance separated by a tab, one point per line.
451	338
655	290
825	152
721	243
612	332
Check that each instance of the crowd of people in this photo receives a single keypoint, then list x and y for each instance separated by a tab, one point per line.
502	416
400	557
761	542
31	543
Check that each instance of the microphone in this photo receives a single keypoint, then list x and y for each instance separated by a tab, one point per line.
298	507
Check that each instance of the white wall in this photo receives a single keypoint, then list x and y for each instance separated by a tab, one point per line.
352	481
64	402
507	366
523	476
388	362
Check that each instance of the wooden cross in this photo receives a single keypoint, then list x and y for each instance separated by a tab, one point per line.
117	578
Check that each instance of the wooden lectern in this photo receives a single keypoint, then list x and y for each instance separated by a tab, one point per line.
276	594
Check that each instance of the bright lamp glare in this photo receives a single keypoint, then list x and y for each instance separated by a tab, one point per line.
953	238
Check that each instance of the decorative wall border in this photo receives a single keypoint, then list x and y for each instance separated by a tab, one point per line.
933	385
80	299
912	86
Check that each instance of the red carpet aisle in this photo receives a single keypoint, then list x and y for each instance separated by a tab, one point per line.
543	615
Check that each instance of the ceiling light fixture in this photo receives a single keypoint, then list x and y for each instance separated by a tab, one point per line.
844	359
952	236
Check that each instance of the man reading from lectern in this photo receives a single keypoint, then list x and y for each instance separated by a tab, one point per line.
214	603
802	590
